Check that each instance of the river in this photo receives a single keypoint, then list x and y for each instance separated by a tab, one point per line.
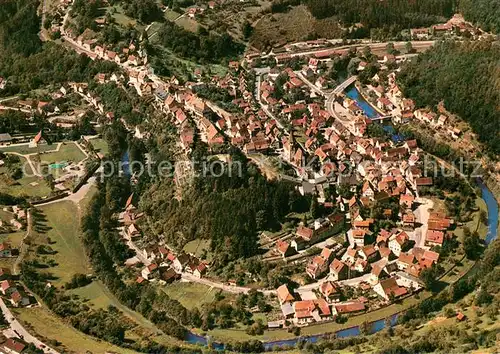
379	325
367	108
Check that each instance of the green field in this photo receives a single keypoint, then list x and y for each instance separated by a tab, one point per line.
120	18
67	152
190	295
22	186
100	146
49	327
62	221
14	239
171	15
5	216
188	24
196	247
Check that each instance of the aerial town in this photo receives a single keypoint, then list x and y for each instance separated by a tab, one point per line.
329	117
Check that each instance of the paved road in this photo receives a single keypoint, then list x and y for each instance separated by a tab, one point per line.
310	84
25	335
422	217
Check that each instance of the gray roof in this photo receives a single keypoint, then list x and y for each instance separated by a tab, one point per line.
5	137
287	309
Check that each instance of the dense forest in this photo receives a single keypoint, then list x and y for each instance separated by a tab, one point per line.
484	13
467	77
376	14
19	26
394	15
226	210
26	63
201	47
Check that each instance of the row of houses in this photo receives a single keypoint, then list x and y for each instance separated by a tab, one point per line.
306	311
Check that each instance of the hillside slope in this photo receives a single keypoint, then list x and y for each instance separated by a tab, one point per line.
467	77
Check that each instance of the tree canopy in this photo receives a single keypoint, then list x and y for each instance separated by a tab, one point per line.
467	77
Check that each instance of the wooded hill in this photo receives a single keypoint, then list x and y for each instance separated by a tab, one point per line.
467	77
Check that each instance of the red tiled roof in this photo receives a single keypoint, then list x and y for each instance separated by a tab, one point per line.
284	294
337	266
435	236
303	308
305	232
15	345
347	307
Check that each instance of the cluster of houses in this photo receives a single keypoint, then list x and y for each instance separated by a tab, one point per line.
385	263
390	99
17	221
14	292
163	264
455	26
59	12
326	307
306	236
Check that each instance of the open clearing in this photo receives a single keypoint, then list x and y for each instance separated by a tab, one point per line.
100	146
99	297
67	152
190	295
295	25
24	186
197	247
62	227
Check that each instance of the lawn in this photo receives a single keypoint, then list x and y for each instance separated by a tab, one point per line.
99	297
190	295
196	247
120	18
95	295
188	24
49	327
23	186
14	239
62	221
292	26
100	146
67	152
